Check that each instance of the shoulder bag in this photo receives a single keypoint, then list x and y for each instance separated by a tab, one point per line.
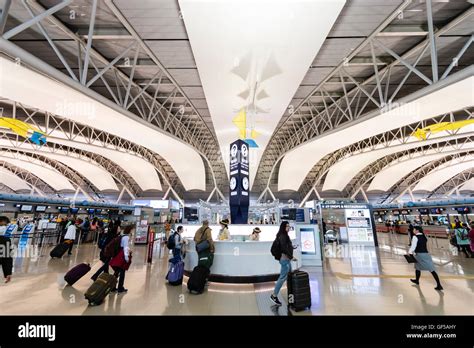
203	244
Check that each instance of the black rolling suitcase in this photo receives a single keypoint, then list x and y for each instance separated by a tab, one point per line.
59	250
197	279
299	292
100	289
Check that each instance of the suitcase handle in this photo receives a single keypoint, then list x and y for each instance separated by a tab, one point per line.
296	264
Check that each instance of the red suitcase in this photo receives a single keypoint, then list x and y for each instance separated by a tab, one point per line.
76	273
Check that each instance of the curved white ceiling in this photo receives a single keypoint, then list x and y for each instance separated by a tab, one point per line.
50	176
436	178
9	179
33	89
468	185
391	174
98	176
254	54
298	162
143	172
340	174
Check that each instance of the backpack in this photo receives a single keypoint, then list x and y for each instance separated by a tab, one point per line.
103	241
86	226
464	234
113	248
276	249
171	241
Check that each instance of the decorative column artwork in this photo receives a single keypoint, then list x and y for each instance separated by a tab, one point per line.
239	182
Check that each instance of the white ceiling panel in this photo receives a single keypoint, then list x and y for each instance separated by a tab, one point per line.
436	178
344	171
450	98
34	89
140	170
9	179
261	47
467	186
389	176
53	178
98	176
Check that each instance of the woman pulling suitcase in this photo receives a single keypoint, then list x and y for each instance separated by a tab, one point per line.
282	250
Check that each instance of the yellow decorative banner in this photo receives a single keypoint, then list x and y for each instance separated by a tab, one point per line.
421	133
22	129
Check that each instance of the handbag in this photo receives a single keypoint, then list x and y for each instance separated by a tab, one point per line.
203	244
410	258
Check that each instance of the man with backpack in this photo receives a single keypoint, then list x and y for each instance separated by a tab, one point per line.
176	267
176	242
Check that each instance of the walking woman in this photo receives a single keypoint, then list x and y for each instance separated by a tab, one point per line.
423	257
284	254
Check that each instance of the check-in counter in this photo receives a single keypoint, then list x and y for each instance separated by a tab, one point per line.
438	231
238	261
238	231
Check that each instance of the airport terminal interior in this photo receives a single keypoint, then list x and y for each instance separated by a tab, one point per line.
238	157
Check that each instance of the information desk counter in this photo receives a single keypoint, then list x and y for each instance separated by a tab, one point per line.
239	262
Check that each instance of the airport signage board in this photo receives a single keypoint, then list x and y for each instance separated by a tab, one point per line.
239	183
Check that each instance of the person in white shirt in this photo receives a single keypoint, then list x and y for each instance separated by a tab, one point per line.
423	257
71	236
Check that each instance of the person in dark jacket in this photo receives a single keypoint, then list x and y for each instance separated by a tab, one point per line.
6	259
286	248
423	257
111	234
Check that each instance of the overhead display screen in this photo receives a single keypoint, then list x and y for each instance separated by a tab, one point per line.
26	208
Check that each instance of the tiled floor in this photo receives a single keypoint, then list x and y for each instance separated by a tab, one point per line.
371	281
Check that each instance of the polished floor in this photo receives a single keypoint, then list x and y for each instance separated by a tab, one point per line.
369	281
